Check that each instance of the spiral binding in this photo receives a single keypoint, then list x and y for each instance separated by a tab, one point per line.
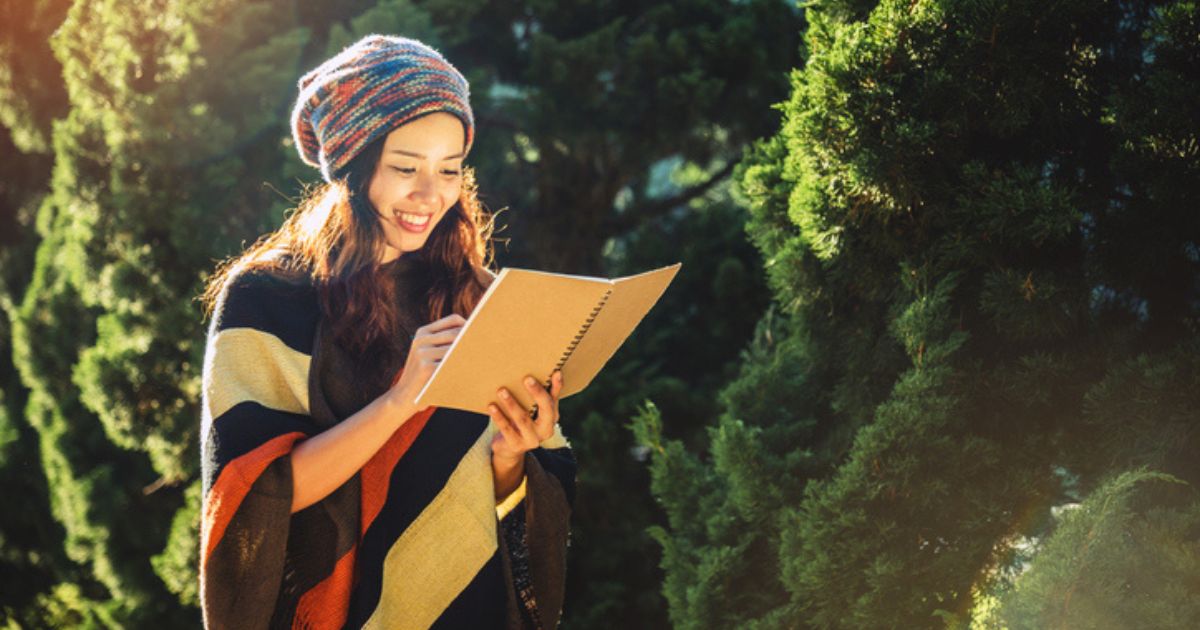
582	331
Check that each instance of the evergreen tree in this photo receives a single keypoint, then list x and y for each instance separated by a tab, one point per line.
149	187
678	356
31	95
978	223
30	538
1106	565
582	100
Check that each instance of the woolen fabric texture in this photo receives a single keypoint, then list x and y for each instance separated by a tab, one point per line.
412	540
373	86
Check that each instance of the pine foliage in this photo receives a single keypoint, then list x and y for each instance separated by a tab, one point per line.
977	223
148	187
1127	557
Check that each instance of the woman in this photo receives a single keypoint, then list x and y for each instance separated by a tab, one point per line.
330	500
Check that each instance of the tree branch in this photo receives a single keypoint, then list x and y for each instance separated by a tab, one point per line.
629	219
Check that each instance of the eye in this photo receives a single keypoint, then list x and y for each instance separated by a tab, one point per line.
450	172
406	171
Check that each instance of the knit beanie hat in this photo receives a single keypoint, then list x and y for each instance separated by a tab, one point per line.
369	89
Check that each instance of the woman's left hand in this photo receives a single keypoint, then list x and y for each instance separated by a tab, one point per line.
518	431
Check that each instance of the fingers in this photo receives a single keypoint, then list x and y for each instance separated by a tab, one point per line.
547	403
520	419
443	338
432	354
518	432
450	321
426	353
506	427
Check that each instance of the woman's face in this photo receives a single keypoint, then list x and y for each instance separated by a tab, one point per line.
417	179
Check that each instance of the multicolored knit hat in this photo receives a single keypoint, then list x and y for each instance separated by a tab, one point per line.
367	90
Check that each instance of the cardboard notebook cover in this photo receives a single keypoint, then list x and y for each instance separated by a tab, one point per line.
534	322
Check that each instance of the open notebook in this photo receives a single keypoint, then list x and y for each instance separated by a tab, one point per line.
534	322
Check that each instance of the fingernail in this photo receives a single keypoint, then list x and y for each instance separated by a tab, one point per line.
529	381
503	393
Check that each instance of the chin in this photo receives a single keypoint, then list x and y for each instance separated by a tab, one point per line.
412	247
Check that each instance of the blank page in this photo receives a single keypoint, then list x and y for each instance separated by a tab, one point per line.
523	324
632	297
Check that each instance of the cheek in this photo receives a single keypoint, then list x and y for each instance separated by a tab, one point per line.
451	193
386	188
375	192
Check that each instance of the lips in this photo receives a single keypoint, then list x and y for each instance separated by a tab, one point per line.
413	221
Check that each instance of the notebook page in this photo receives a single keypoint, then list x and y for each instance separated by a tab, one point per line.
631	299
526	321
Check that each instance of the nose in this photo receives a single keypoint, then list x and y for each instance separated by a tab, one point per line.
424	188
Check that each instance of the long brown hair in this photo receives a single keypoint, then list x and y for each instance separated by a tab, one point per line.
334	239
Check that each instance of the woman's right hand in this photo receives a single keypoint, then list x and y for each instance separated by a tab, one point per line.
323	462
429	346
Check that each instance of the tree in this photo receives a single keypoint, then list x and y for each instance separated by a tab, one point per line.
149	187
1127	557
981	267
31	95
678	356
31	91
582	100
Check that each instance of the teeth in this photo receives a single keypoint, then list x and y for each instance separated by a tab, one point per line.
415	219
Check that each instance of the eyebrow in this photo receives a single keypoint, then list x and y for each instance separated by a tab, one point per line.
418	155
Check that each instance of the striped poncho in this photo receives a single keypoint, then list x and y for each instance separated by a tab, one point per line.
415	540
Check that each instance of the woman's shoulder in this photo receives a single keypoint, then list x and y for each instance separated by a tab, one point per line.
270	299
269	281
270	277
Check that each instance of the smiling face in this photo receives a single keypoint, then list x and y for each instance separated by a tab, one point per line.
417	179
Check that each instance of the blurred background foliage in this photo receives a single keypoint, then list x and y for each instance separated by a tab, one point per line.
932	359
